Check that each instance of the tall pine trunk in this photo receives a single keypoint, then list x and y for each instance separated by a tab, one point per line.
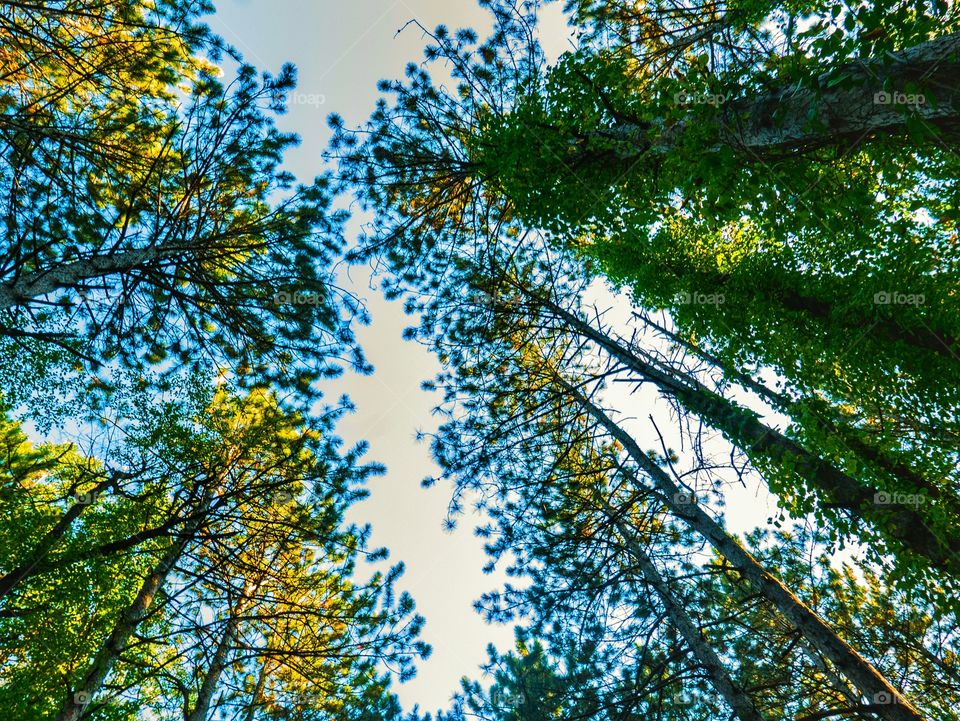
901	523
211	679
828	114
133	616
128	622
891	705
738	700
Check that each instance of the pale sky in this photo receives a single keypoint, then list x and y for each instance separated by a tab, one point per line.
341	49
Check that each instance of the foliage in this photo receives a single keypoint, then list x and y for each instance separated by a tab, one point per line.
236	489
149	218
660	196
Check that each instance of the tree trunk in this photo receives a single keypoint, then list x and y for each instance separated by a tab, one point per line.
218	663
134	614
131	618
10	579
738	700
257	695
42	282
743	427
786	405
792	118
892	705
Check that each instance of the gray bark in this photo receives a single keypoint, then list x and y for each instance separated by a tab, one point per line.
131	618
738	700
218	663
877	456
42	282
893	706
256	698
851	109
796	117
743	427
211	679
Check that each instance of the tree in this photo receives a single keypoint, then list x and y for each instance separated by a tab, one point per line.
574	500
148	215
749	242
449	170
167	293
525	366
776	668
250	497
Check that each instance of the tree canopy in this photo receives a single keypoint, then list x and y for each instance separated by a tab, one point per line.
703	265
174	493
773	188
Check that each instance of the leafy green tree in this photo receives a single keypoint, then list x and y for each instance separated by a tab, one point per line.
743	174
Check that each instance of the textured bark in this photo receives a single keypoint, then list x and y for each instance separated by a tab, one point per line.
892	706
899	522
134	614
793	118
256	698
129	621
42	282
738	700
782	119
218	663
211	679
783	403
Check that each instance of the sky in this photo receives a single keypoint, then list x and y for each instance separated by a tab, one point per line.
341	49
